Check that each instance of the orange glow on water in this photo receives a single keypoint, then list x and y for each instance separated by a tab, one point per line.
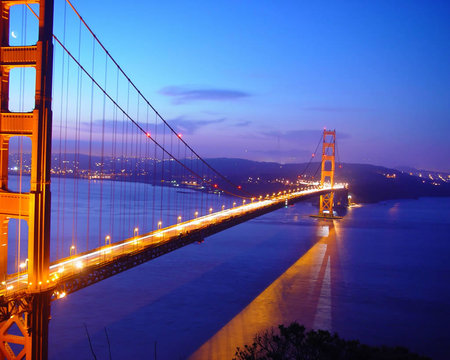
302	293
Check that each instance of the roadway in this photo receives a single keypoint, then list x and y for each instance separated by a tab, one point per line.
95	265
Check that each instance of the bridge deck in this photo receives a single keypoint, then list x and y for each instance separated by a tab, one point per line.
78	271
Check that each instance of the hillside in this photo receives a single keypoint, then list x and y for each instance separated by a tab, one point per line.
367	183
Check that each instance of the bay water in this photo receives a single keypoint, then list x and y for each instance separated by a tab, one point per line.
380	275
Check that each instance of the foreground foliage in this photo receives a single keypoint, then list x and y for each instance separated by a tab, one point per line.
294	342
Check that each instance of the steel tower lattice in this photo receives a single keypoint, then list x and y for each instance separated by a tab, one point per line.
34	206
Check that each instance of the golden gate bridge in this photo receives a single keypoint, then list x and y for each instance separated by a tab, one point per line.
103	182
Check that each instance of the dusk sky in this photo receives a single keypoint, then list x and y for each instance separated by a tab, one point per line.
261	79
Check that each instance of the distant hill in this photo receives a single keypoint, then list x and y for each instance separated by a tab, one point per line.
370	183
367	183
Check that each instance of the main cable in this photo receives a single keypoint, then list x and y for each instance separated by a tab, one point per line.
312	157
141	128
151	106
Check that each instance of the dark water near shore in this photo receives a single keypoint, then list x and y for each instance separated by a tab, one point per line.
380	275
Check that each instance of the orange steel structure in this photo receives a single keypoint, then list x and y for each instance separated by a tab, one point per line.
327	173
25	335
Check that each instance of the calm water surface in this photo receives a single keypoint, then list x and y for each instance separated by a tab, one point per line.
380	275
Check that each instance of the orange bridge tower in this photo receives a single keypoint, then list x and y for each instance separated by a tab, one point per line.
327	171
24	317
327	174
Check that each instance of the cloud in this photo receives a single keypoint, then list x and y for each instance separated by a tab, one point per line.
299	135
182	95
125	128
293	135
190	126
333	109
293	154
243	123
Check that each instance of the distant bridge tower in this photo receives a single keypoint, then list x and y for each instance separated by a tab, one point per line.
24	320
327	173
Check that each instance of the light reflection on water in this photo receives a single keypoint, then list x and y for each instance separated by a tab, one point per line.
303	293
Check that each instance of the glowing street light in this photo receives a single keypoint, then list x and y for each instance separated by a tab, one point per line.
223	207
159	225
179	219
72	250
107	240
196	214
234	204
24	264
243	202
136	231
210	210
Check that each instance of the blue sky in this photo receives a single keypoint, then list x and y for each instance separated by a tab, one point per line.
260	79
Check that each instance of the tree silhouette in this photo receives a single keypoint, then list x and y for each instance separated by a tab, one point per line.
294	342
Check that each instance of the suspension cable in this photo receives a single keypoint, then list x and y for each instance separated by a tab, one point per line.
312	157
141	128
151	106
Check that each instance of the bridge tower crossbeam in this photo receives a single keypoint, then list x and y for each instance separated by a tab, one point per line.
29	314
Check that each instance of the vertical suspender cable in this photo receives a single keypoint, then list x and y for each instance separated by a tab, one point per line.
146	180
114	163
77	144
154	175
90	151
102	161
136	172
161	184
59	195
